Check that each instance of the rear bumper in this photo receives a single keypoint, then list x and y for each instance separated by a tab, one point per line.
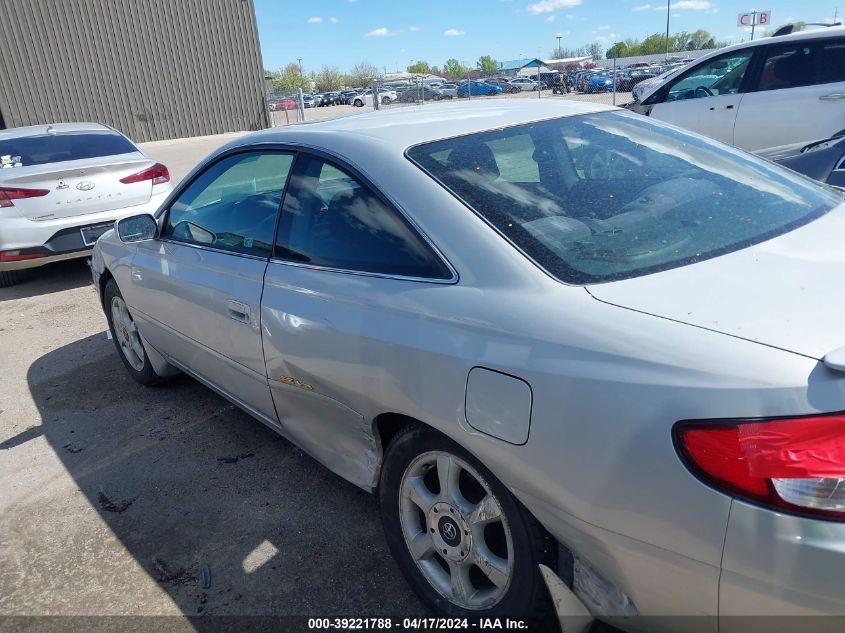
781	565
61	238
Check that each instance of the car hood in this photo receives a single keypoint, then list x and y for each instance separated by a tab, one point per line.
786	292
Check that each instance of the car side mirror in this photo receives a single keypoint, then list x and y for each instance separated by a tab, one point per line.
137	228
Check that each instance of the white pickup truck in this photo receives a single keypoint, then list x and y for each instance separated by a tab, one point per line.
384	96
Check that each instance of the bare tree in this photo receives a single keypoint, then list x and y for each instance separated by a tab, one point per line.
363	73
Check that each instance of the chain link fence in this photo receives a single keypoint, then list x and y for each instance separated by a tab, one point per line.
611	86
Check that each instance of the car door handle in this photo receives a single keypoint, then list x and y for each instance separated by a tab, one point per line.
238	311
832	97
727	107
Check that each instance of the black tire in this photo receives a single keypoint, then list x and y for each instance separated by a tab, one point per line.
147	375
526	596
10	278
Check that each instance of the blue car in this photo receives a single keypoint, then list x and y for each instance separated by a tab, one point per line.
479	88
600	83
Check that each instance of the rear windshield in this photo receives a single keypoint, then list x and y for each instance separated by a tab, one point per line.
27	151
614	195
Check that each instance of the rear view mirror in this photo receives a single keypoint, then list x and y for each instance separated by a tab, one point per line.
137	228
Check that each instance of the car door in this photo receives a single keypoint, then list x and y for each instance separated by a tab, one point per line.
706	98
341	310
798	97
199	286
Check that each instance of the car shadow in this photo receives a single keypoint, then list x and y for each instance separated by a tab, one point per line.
44	280
226	516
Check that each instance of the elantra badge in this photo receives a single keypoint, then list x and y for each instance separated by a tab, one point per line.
85	185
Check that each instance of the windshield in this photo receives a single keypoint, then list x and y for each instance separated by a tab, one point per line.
56	148
614	195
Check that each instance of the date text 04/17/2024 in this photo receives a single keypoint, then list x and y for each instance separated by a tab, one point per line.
419	624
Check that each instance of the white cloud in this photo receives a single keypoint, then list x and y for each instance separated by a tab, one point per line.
415	29
547	6
605	27
569	17
333	20
691	5
676	15
610	37
453	32
315	20
551	18
381	32
641	7
351	1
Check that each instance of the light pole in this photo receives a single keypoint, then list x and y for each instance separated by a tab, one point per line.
668	2
558	46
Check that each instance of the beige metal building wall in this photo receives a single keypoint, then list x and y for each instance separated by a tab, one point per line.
153	69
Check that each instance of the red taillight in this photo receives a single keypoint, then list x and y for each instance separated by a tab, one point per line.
16	256
794	464
157	173
9	194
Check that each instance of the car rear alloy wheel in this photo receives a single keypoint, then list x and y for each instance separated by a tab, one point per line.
450	536
466	546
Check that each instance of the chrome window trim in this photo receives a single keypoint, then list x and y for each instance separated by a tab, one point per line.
430	280
840	166
211	249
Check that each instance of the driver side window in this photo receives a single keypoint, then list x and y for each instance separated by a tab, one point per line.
720	76
233	204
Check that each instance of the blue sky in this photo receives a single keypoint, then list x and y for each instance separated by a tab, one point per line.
391	33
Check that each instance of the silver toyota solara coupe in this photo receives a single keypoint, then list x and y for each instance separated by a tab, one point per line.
566	345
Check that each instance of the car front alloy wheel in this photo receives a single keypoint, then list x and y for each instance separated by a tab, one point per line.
126	337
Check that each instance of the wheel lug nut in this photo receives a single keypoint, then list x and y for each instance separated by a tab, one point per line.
444	551
432	530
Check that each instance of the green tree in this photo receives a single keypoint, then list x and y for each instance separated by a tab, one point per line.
420	68
290	79
487	65
455	69
620	49
328	79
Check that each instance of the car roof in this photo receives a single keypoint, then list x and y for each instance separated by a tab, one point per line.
815	34
38	130
403	127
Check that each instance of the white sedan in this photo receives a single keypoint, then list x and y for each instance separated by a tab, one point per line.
523	83
385	97
64	185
